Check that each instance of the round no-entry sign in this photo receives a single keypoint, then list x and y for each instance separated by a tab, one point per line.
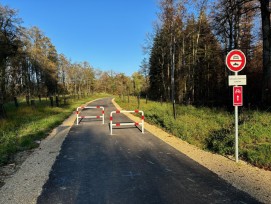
236	60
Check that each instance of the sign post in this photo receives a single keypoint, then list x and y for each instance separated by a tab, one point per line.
236	61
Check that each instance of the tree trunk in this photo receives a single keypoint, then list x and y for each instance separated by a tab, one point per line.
2	79
2	111
161	100
162	74
27	97
57	101
32	102
51	101
3	114
266	32
138	101
16	102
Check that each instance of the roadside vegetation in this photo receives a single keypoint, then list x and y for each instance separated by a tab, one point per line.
26	125
212	129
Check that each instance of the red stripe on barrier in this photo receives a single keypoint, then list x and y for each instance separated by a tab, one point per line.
117	111
102	112
117	124
97	106
97	116
111	118
77	112
82	116
136	123
142	117
136	111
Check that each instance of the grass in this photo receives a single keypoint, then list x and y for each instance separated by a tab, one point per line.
213	129
25	125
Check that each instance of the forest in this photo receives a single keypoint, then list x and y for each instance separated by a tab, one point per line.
187	57
185	64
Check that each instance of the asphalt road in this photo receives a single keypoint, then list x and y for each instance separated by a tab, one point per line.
129	167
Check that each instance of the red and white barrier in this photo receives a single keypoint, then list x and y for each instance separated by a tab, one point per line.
122	124
89	107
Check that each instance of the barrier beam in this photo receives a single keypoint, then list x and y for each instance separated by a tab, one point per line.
89	107
123	124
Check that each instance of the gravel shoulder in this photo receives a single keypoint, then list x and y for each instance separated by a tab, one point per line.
26	184
23	180
253	180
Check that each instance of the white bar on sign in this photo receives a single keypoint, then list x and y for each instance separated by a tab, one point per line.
237	80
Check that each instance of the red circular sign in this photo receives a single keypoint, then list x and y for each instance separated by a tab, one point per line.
236	60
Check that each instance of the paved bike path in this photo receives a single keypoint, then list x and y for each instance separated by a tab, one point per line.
129	167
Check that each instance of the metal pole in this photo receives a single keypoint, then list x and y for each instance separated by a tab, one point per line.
142	119
77	116
111	127
174	109
111	118
236	133
236	129
103	114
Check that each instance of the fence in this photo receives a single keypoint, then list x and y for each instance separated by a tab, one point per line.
89	107
123	124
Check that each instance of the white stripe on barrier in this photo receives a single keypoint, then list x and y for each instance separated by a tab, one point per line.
89	107
123	124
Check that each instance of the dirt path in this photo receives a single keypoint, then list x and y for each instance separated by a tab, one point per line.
255	181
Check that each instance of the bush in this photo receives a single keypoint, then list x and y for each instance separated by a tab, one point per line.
258	155
221	141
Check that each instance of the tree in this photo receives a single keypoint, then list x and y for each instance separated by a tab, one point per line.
144	70
44	63
185	57
63	65
139	82
9	30
162	56
266	35
157	67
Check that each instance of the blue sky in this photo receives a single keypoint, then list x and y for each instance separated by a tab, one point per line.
109	34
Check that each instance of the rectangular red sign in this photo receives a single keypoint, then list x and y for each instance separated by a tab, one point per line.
237	96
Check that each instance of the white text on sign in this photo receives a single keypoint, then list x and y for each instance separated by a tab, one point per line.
237	80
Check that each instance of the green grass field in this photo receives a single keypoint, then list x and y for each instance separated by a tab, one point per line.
26	124
213	129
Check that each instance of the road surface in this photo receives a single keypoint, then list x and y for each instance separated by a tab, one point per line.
129	167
